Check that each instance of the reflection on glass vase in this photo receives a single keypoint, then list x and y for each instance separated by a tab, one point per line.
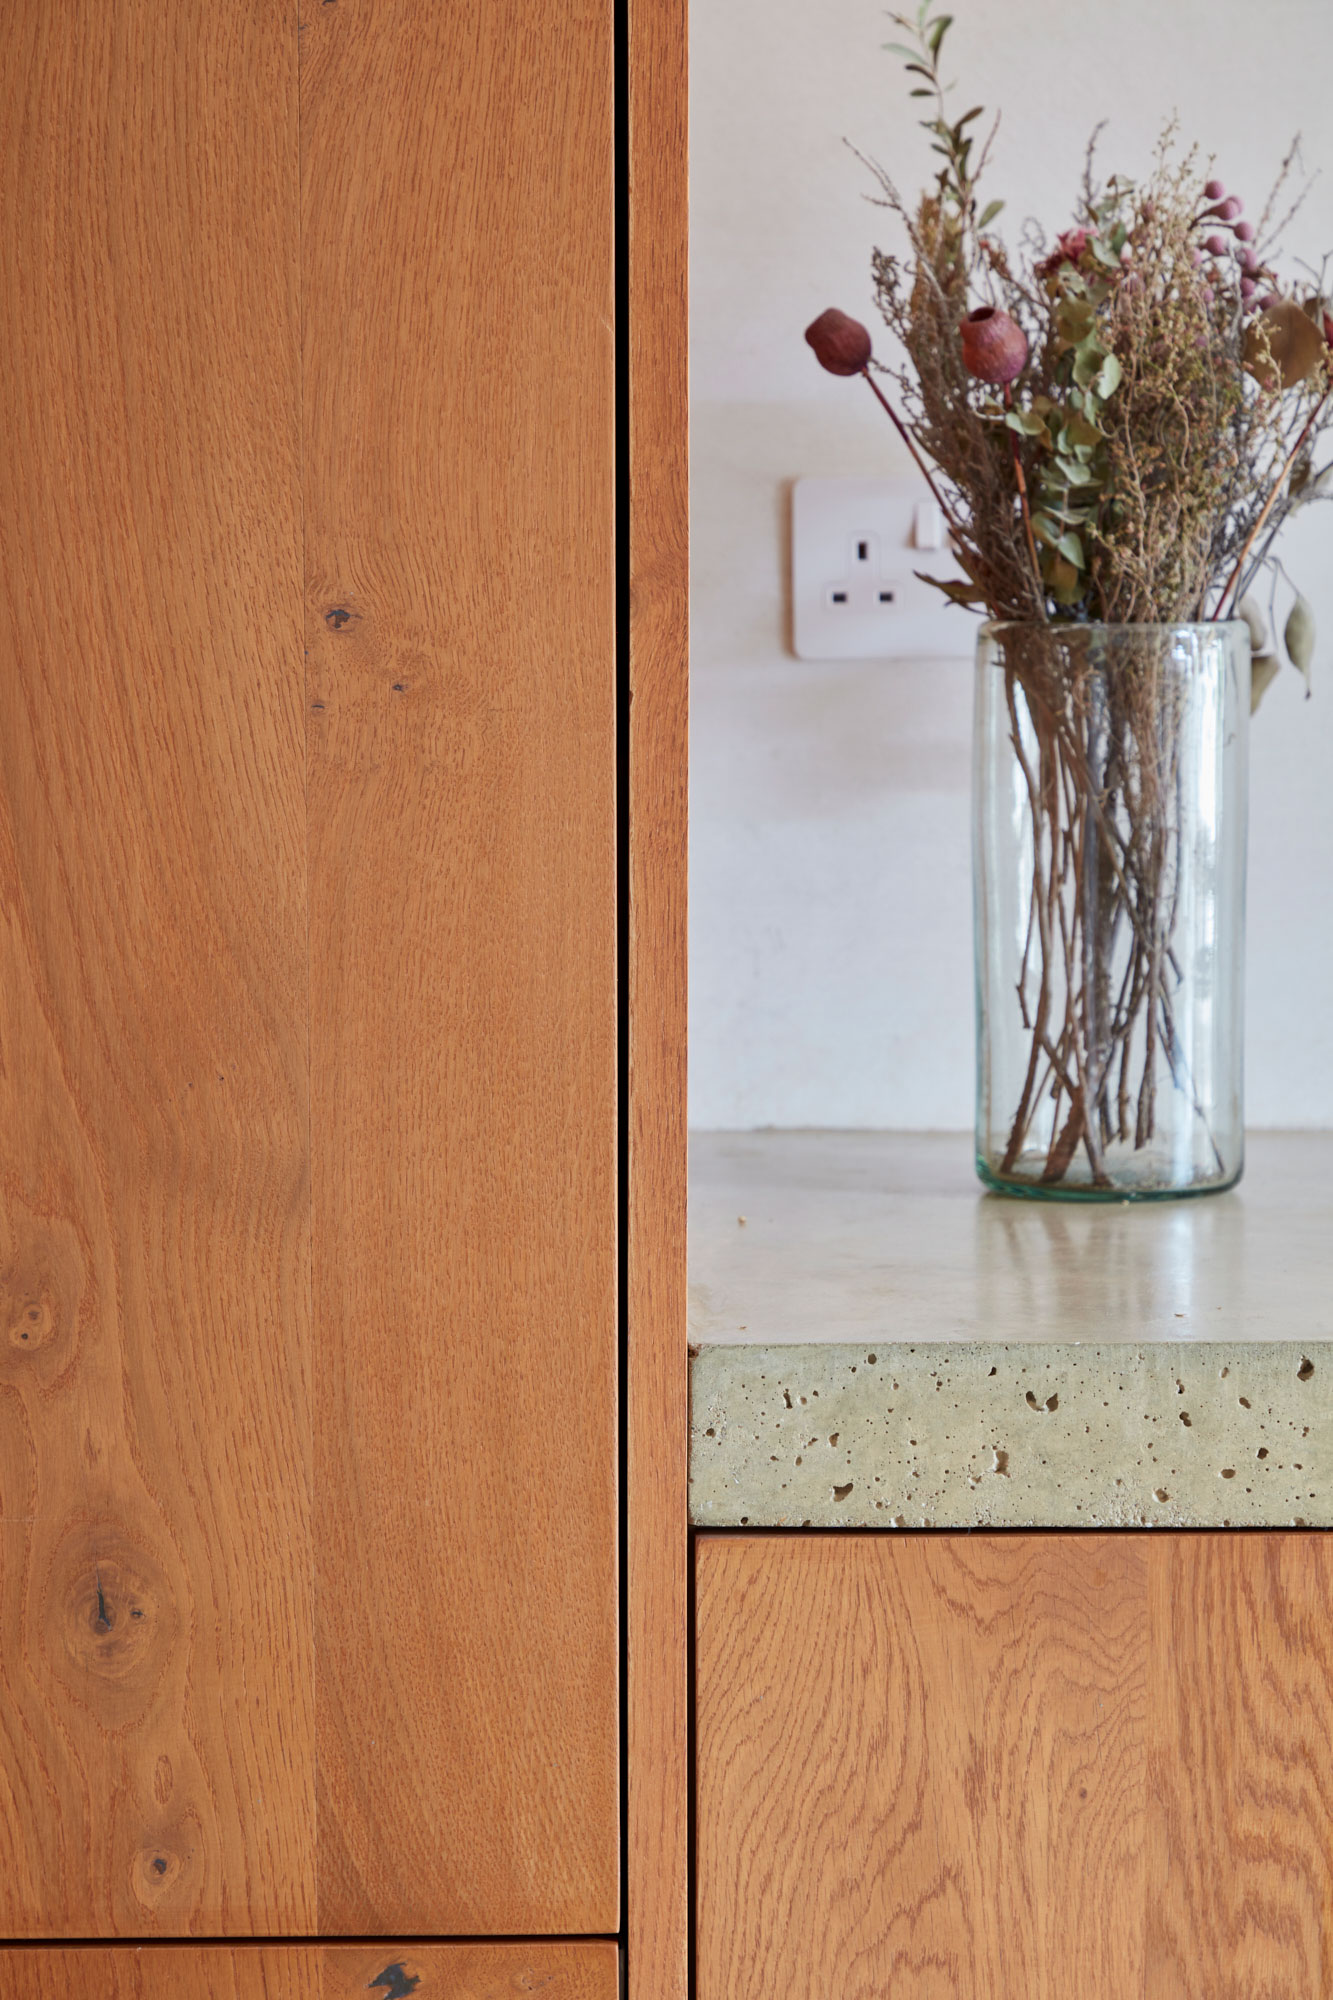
1110	799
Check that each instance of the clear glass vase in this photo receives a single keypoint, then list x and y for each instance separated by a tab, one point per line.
1110	802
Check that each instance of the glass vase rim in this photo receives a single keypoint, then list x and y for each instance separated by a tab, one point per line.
998	626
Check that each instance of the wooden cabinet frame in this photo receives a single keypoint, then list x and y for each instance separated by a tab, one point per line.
656	1389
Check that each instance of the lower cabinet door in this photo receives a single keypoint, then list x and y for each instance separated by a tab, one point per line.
584	1970
1015	1767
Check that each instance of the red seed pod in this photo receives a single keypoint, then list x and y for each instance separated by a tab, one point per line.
841	343
995	347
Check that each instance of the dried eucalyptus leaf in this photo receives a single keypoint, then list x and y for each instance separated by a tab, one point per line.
1074	320
966	594
1258	624
1263	672
1064	581
1299	638
1283	346
1110	378
1082	435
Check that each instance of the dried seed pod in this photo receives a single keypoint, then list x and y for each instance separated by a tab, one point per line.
841	343
1284	346
1263	672
1258	624
1299	638
995	347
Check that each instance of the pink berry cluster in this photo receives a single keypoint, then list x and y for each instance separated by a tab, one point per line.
1227	210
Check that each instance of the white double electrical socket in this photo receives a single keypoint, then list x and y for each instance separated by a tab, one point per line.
855	544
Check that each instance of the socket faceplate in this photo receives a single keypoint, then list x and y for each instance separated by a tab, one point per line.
855	544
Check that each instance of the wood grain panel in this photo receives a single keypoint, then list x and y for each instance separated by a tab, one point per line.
911	1767
459	514
586	1969
161	1972
657	1615
1018	1766
156	1703
1241	1747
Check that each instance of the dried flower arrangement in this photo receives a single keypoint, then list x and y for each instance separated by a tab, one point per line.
1117	426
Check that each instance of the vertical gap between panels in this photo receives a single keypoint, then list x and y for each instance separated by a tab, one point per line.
620	86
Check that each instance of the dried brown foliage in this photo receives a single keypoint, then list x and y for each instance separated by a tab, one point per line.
1162	443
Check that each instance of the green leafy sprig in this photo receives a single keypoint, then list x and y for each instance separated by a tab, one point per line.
956	180
1072	467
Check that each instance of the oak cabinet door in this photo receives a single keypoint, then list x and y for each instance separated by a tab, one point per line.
1021	1766
307	969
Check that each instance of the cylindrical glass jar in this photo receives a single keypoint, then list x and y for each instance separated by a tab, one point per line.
1109	821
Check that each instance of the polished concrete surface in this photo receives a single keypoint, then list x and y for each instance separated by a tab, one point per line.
847	1236
881	1343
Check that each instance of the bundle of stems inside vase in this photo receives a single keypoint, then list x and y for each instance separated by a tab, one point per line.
1099	746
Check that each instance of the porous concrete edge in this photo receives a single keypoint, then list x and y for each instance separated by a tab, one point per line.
953	1434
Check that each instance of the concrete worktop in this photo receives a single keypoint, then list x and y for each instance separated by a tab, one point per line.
882	1343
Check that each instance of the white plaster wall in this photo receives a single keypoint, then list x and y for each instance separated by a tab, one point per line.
830	888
